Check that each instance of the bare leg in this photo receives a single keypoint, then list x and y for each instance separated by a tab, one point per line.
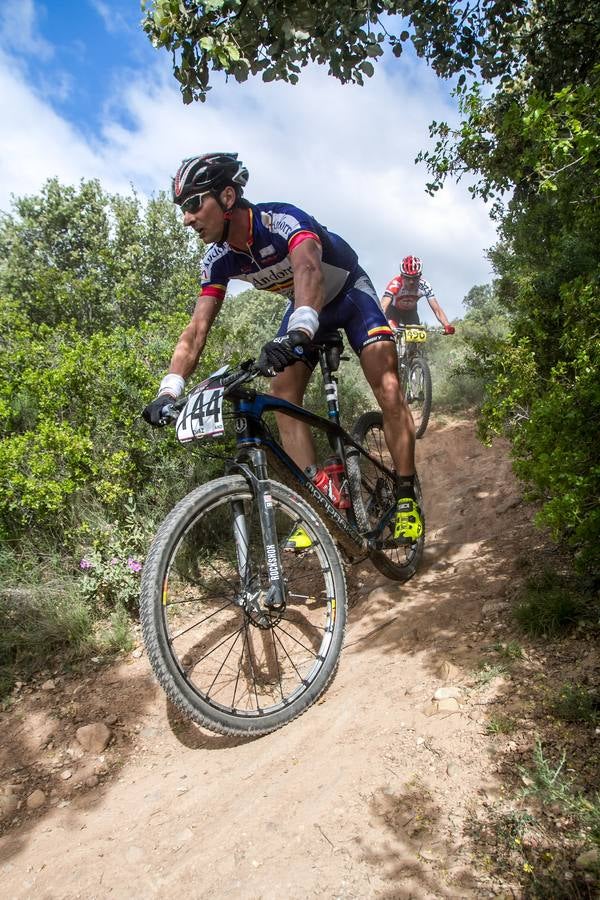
380	365
295	436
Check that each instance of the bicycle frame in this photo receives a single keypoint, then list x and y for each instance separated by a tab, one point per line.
255	442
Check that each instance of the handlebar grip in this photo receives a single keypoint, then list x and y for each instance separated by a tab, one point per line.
167	414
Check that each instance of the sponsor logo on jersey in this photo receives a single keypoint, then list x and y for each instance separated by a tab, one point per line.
284	225
276	275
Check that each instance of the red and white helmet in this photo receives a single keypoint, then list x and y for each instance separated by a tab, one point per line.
411	265
208	173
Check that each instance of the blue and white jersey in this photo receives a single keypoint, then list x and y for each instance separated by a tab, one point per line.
274	230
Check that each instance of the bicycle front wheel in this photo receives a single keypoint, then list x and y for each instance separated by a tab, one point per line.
418	394
224	657
374	495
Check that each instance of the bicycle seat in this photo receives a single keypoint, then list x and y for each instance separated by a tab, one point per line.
332	343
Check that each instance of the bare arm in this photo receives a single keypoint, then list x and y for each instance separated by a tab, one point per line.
308	275
385	302
193	338
438	311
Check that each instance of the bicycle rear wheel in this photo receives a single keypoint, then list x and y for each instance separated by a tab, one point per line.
374	495
418	394
222	663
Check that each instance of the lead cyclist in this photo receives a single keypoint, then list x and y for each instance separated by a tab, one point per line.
280	248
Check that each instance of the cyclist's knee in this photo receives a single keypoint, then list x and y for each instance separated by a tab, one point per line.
387	392
290	385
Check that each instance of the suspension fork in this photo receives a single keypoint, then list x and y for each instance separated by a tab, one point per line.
256	474
240	534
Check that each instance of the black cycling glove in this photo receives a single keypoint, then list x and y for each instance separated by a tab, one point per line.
281	352
153	412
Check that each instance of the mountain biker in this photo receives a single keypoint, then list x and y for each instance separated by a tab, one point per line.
278	247
400	298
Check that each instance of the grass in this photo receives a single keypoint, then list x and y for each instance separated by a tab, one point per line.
576	703
487	673
510	651
36	624
114	634
535	838
500	725
550	784
552	605
45	619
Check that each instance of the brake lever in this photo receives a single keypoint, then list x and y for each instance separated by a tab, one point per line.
170	411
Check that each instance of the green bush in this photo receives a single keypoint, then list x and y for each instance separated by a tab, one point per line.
459	379
72	434
551	415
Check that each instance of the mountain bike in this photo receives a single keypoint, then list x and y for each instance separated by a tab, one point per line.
244	635
414	372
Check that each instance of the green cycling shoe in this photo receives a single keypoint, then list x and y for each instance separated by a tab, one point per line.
409	524
298	540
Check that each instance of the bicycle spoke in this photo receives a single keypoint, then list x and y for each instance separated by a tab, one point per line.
304	647
277	662
201	622
220	669
243	657
290	659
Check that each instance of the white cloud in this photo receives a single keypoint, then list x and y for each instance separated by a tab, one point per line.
343	153
18	29
112	20
38	144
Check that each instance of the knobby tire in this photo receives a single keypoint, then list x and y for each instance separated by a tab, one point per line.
420	406
373	493
214	661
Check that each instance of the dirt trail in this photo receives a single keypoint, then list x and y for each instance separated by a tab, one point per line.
369	794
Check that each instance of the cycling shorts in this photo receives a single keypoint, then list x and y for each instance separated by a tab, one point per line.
356	310
403	316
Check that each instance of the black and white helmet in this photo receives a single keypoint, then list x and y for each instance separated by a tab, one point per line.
208	173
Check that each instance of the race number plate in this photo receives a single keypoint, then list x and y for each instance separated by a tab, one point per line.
416	335
202	416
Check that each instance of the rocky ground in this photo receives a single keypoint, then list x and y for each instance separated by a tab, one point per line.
406	780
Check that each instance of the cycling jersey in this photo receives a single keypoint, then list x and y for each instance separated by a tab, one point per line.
406	291
274	230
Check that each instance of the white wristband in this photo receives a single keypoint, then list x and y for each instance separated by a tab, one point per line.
172	384
304	318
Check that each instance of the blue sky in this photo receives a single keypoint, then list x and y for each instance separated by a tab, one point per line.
84	94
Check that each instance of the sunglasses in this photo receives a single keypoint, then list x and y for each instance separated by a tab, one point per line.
193	204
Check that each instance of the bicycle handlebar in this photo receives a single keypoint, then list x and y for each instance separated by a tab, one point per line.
245	372
428	328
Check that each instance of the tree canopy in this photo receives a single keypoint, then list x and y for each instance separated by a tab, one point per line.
247	37
79	255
